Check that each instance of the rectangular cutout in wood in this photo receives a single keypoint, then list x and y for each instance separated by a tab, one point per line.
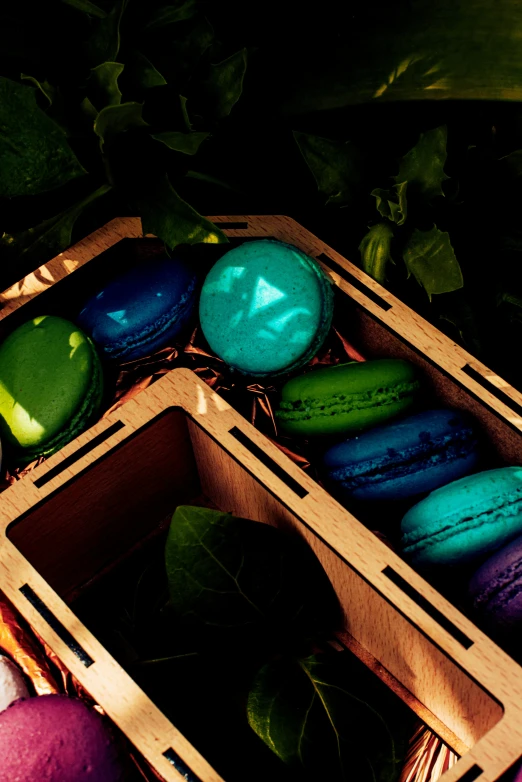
426	606
87	448
180	766
258	452
56	625
471	774
492	388
354	281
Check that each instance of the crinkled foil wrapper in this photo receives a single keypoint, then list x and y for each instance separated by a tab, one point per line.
254	400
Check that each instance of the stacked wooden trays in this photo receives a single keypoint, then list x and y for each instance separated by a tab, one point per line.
78	512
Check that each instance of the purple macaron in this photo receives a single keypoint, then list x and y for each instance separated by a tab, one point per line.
496	590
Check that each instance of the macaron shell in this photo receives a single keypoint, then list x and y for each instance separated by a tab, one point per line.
354	377
336	420
420	480
53	738
347	397
465	520
410	456
266	307
140	311
496	587
85	415
46	368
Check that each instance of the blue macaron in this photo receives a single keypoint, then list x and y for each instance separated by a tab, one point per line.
140	311
405	458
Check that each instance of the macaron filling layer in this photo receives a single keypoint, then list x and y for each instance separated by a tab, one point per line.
503	507
305	409
154	331
430	454
89	406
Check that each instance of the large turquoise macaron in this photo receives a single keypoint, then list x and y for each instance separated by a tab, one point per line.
347	397
466	520
266	308
50	387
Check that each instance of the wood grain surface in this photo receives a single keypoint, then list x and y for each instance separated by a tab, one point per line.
454	671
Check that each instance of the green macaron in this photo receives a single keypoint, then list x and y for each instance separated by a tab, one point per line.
51	387
347	397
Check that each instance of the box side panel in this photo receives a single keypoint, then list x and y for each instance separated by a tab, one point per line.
432	678
379	342
107	509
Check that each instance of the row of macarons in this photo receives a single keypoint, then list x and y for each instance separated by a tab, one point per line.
52	736
265	309
464	517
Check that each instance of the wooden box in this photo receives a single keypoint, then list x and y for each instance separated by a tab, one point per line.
74	515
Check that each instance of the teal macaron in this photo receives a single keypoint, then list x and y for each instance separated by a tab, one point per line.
347	398
266	308
51	387
465	521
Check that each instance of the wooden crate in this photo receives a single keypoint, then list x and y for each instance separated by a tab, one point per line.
69	519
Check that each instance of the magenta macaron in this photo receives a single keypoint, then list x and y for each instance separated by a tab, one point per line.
57	739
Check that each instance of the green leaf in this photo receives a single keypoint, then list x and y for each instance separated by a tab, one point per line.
188	143
184	112
243	576
34	154
51	236
104	42
423	166
420	50
87	7
177	11
117	119
336	166
47	90
169	217
429	256
314	714
455	309
224	86
396	211
102	85
143	73
375	251
212	180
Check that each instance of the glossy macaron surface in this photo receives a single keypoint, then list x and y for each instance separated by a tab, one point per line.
347	397
404	458
466	520
266	307
50	381
141	310
56	739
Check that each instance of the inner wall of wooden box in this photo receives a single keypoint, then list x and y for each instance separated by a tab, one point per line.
130	494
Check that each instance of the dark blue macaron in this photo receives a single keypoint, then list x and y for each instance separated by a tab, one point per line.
405	458
142	310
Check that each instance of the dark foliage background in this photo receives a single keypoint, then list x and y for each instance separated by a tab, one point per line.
375	74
